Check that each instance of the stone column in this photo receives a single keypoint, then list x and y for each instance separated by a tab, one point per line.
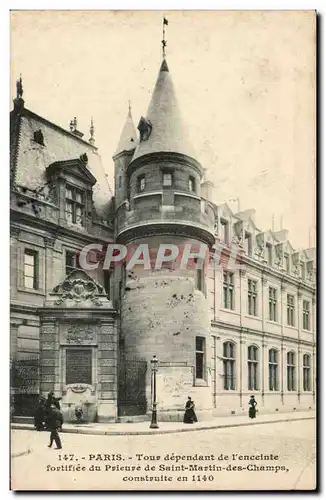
264	369
283	315
299	361
107	371
48	277
50	378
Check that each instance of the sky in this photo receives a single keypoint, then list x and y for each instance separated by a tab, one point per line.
245	81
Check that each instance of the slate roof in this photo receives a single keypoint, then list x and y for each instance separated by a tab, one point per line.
168	132
128	137
29	160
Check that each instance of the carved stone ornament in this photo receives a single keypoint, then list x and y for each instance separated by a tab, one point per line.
78	286
78	388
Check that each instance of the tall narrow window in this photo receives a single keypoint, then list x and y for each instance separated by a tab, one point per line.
252	297
199	282
306	314
290	309
72	261
119	181
141	183
290	362
269	250
200	357
75	206
229	366
31	269
224	231
167	179
253	368
248	244
107	282
286	259
272	298
306	372
273	369
228	290
192	184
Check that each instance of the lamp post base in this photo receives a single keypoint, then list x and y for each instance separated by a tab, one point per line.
154	424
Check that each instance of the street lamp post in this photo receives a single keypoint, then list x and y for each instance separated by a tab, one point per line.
154	367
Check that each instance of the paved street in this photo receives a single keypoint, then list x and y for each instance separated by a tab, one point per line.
217	459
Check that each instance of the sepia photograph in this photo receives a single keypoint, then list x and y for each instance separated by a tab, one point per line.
163	260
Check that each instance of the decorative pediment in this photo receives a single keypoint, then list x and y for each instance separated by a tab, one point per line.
76	167
79	287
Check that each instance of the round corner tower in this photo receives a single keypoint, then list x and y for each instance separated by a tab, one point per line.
164	311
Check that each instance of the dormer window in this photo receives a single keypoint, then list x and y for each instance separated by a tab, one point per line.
167	179
269	249
39	137
248	243
302	270
224	231
286	262
74	205
192	184
141	183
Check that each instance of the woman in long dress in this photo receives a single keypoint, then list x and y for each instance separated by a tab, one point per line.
190	416
252	407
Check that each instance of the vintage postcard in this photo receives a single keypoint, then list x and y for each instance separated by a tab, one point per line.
163	260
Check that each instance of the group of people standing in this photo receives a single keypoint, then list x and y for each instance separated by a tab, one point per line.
49	417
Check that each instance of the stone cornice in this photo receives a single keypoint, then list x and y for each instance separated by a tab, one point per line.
264	334
164	156
272	271
55	229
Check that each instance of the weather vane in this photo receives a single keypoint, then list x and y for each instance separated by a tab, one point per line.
164	42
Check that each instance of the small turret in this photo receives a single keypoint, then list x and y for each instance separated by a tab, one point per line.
122	157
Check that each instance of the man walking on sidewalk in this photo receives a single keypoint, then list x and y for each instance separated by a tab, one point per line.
55	422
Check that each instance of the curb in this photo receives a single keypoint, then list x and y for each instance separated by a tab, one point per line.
101	432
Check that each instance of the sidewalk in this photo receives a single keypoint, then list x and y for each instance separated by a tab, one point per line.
142	428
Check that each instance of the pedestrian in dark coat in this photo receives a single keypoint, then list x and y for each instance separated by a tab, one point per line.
55	421
252	407
40	415
52	400
190	416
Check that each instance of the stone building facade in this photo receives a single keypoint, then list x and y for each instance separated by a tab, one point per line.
221	333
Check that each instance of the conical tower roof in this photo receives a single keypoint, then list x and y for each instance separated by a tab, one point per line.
168	133
128	137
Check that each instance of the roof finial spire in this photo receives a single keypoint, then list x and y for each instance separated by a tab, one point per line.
19	87
92	131
164	42
129	107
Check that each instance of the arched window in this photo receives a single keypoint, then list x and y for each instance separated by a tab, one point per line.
253	368
229	366
290	366
273	369
306	372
